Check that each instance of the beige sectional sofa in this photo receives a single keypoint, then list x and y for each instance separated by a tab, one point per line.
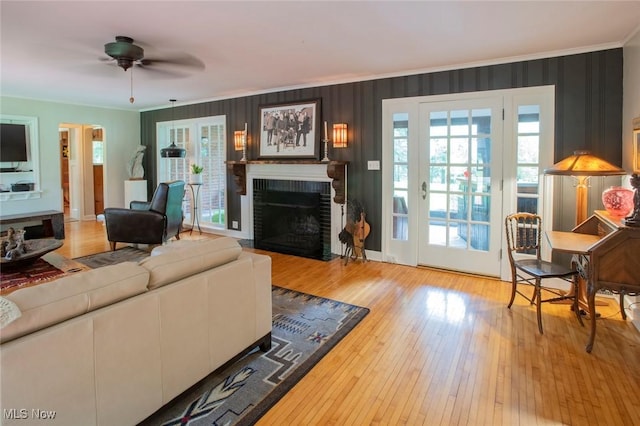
112	345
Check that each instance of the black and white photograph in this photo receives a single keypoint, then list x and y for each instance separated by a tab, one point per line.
290	130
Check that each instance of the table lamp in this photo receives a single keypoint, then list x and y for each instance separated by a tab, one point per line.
582	165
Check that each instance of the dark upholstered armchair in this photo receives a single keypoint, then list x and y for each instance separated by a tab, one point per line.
152	222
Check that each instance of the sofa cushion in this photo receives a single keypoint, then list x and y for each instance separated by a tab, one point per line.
181	259
50	303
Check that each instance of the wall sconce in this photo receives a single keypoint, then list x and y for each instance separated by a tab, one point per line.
582	165
340	135
240	141
172	151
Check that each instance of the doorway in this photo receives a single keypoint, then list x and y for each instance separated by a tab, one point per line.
81	171
454	166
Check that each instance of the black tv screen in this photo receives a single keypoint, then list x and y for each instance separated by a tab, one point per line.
13	142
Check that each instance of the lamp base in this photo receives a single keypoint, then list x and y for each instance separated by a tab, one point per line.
634	218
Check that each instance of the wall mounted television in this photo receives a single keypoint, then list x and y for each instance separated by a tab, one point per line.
14	142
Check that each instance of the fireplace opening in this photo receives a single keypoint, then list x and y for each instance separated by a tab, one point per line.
293	218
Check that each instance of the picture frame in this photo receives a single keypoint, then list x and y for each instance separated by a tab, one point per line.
290	131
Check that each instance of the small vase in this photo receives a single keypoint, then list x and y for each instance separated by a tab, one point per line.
618	201
196	178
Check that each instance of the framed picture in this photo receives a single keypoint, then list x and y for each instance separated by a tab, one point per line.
290	130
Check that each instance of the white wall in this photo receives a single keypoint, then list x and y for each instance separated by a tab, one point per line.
122	130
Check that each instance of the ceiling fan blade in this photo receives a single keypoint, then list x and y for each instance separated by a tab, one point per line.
160	71
182	60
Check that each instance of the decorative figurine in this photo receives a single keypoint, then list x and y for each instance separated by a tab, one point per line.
135	167
634	218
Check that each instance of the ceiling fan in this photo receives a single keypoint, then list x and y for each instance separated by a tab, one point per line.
128	54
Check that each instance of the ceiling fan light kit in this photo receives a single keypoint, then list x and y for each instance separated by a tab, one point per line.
124	51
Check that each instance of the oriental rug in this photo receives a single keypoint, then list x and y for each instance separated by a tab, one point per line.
305	329
38	271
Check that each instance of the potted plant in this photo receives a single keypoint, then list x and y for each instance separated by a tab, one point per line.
196	173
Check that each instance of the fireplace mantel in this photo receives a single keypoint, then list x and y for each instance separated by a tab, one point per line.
336	170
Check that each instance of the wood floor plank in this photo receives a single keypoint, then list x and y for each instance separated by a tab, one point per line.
442	348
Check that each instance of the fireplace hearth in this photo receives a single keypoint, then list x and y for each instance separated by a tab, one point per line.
292	217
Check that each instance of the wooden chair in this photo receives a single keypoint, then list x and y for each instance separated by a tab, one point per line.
524	233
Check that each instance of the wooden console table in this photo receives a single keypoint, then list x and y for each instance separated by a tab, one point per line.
52	221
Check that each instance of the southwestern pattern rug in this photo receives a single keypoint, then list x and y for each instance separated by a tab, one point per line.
124	254
305	329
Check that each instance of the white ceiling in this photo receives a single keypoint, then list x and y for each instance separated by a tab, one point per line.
54	50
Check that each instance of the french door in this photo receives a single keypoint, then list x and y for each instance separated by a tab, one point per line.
454	166
460	176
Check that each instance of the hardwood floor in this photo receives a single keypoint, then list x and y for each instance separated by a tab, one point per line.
442	348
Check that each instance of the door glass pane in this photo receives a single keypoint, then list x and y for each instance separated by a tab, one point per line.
400	176
438	150
458	204
437	232
479	236
438	205
480	208
459	123
400	150
459	150
438	178
400	211
460	157
400	215
528	167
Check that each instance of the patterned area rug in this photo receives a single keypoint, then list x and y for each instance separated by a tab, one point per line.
124	254
305	329
39	270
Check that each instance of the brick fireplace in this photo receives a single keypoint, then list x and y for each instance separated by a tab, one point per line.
292	217
291	209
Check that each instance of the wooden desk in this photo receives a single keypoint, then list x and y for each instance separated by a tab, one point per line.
571	242
580	246
605	252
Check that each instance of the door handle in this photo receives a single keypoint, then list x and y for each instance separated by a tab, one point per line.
424	190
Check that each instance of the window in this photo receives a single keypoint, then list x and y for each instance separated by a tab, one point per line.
528	162
98	152
205	142
400	176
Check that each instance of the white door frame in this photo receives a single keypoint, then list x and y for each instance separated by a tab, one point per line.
406	252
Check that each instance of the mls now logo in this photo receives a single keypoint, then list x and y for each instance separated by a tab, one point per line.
15	413
23	413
